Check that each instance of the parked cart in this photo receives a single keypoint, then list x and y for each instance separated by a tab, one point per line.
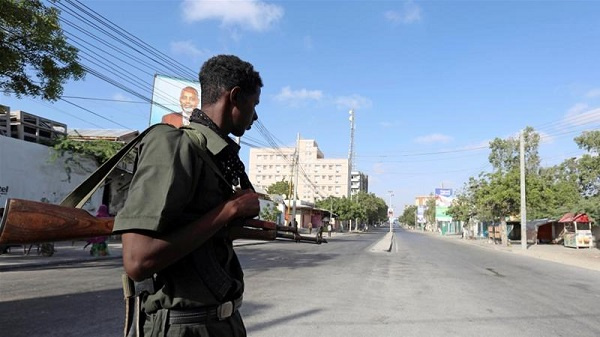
577	231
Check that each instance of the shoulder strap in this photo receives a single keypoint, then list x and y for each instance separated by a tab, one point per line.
200	142
84	191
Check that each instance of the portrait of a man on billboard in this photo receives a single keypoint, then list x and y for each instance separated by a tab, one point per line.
174	100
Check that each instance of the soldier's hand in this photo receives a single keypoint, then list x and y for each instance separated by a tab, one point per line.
245	204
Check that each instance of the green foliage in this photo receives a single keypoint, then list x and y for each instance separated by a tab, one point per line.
32	42
430	210
572	186
281	188
461	208
589	141
504	155
365	206
270	213
588	165
373	208
100	150
409	216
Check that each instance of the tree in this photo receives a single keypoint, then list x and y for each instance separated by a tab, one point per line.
430	210
270	213
100	150
408	216
281	188
373	207
35	57
589	164
504	155
461	208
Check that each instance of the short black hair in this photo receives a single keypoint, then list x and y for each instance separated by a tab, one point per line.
224	72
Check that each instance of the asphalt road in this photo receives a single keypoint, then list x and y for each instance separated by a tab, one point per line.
423	287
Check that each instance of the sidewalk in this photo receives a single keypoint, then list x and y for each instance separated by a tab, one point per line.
588	258
69	252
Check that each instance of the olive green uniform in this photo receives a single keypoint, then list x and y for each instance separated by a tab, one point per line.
173	186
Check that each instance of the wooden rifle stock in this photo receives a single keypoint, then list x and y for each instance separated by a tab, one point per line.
27	221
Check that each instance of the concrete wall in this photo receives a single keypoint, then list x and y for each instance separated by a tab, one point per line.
28	171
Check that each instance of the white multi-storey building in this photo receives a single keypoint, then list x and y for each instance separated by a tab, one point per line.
318	177
359	182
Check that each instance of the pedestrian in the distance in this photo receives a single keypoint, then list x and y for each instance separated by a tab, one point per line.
99	245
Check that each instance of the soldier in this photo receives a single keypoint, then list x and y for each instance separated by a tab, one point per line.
174	222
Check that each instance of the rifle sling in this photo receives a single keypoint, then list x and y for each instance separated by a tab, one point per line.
84	191
201	144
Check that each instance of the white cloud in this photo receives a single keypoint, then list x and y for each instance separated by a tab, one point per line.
484	144
121	97
295	97
352	102
582	114
187	48
246	14
593	93
433	138
410	13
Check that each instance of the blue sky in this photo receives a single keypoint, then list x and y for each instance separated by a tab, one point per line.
431	82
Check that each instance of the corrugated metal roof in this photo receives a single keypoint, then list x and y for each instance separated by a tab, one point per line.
101	133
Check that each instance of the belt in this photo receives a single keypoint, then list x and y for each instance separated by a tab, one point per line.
204	314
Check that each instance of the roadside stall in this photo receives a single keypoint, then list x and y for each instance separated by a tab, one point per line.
542	230
577	230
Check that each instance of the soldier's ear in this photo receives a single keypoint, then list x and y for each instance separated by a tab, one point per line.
234	95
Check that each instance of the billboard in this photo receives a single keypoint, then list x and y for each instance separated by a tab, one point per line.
421	214
443	200
173	100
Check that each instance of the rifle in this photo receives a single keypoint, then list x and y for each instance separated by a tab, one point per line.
27	221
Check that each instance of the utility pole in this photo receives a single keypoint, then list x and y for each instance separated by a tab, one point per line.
351	151
297	162
351	162
290	188
391	210
523	198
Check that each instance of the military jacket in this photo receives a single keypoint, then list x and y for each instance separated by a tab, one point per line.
171	187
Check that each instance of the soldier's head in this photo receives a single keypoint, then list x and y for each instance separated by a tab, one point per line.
235	85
